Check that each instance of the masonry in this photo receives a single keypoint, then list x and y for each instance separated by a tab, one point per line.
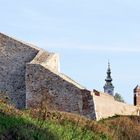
14	55
106	106
31	76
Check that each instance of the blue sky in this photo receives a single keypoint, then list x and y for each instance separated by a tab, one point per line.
86	33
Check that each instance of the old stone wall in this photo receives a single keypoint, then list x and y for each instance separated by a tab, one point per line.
42	83
53	62
47	59
13	58
106	106
31	77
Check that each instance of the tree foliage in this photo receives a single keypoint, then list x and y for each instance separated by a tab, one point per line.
119	98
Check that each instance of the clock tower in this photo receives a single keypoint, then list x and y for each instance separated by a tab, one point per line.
108	87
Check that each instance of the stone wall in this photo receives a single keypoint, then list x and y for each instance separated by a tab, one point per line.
14	55
53	62
31	78
42	83
106	106
47	59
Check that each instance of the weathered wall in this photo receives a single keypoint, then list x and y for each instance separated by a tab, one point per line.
13	58
42	82
106	106
47	59
53	62
43	79
31	76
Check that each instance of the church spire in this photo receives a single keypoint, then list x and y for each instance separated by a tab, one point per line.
108	78
109	88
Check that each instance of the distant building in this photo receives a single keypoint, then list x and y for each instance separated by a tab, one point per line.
137	95
108	87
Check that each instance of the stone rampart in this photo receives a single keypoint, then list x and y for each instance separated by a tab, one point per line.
106	106
47	59
14	55
31	77
43	83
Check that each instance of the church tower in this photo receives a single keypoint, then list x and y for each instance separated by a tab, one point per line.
137	95
108	87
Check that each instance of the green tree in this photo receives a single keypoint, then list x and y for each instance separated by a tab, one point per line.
119	98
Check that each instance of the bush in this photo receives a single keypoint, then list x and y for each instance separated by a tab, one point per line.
119	98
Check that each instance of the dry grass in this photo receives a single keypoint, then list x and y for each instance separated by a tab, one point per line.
124	127
114	128
117	127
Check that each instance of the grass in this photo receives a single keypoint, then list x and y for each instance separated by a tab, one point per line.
12	127
42	124
31	125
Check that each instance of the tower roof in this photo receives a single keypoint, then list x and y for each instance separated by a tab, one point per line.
137	88
108	78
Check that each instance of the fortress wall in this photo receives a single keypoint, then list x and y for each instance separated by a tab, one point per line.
48	87
106	106
13	58
47	59
53	62
31	77
41	57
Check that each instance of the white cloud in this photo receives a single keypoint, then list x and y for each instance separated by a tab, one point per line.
97	48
